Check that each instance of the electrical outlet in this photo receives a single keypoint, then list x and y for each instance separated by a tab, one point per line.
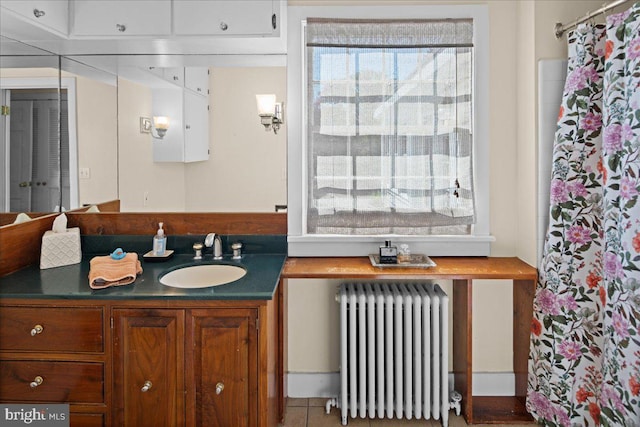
85	173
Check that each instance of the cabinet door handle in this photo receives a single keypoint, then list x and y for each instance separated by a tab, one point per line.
36	382
147	385
38	13
121	27
36	330
224	26
188	126
219	388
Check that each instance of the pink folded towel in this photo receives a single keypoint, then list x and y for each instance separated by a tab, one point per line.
105	271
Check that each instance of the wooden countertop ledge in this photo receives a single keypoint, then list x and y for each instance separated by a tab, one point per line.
446	268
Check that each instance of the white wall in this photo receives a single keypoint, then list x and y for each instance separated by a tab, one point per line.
97	140
246	170
163	183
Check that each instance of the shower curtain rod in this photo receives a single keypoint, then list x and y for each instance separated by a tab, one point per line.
560	29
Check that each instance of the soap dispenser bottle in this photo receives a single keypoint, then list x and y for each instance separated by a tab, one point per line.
159	242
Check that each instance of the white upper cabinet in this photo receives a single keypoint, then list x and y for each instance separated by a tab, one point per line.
53	15
120	18
220	17
187	139
175	75
196	128
197	79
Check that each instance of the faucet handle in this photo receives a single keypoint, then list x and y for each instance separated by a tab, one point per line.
198	248
237	250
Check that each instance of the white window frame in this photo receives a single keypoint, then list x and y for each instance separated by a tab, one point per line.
478	243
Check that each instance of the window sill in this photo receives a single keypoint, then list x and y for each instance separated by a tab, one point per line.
344	246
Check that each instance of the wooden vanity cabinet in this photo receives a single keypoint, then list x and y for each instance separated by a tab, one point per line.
147	362
206	358
55	352
223	367
148	359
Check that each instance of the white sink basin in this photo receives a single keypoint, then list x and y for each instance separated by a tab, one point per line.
202	276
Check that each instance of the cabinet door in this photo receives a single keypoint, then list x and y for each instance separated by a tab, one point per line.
51	14
148	353
174	75
169	103
224	367
196	127
224	17
197	79
121	18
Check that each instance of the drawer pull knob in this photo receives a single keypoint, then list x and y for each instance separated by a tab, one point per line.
147	385
121	27
219	388
36	382
224	26
38	13
36	330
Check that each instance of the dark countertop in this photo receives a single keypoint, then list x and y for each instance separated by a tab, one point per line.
72	281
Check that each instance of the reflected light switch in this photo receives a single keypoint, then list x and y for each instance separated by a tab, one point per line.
85	173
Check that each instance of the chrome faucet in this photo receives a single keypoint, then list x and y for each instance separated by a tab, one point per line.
214	240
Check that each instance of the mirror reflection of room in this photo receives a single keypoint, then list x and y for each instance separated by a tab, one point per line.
105	155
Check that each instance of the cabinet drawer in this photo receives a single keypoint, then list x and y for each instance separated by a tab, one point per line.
77	329
86	420
68	382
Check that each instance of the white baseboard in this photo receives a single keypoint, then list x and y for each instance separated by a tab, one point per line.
327	384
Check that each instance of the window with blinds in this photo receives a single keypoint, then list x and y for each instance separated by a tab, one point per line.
389	127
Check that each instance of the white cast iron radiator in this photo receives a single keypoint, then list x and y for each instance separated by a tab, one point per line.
394	352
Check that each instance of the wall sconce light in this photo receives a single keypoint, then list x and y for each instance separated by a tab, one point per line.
270	112
160	124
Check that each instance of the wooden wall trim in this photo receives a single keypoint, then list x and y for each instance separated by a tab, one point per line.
20	243
175	223
109	206
7	218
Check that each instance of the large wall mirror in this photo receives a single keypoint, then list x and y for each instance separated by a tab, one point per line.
34	178
108	156
246	166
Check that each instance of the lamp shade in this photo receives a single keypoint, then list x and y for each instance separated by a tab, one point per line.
161	122
266	104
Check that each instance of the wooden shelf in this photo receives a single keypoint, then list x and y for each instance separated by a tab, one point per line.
462	271
446	268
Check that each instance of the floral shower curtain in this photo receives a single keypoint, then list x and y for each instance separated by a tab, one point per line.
584	365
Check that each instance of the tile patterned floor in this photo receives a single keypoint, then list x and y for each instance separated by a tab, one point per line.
311	413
